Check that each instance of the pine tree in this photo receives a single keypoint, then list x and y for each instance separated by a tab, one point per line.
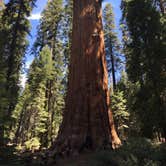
13	44
129	91
144	48
52	87
32	121
112	45
67	35
50	33
67	30
121	114
49	25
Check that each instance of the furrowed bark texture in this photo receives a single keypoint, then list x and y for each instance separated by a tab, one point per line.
87	120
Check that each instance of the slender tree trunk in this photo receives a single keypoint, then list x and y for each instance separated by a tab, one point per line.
50	111
17	134
47	137
87	120
113	68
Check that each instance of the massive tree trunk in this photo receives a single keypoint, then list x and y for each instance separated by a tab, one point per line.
87	119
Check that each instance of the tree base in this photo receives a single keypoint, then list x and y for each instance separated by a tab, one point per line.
63	149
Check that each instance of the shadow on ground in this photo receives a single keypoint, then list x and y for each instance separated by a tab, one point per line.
134	152
10	157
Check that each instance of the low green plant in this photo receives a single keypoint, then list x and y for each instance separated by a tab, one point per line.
32	144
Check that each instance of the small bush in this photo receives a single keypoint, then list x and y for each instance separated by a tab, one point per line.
32	144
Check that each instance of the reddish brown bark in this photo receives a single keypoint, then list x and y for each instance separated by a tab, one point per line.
87	120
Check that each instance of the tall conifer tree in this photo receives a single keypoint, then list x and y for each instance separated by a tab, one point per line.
49	33
30	114
13	45
144	34
112	46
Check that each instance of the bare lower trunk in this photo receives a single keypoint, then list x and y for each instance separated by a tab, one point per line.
87	120
113	67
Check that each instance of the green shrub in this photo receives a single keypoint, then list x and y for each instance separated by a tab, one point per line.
32	144
134	152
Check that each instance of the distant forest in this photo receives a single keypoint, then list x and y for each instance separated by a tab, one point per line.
87	89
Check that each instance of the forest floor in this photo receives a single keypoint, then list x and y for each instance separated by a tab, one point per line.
10	157
134	152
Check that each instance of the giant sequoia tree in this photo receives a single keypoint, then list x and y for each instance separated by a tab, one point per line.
87	120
